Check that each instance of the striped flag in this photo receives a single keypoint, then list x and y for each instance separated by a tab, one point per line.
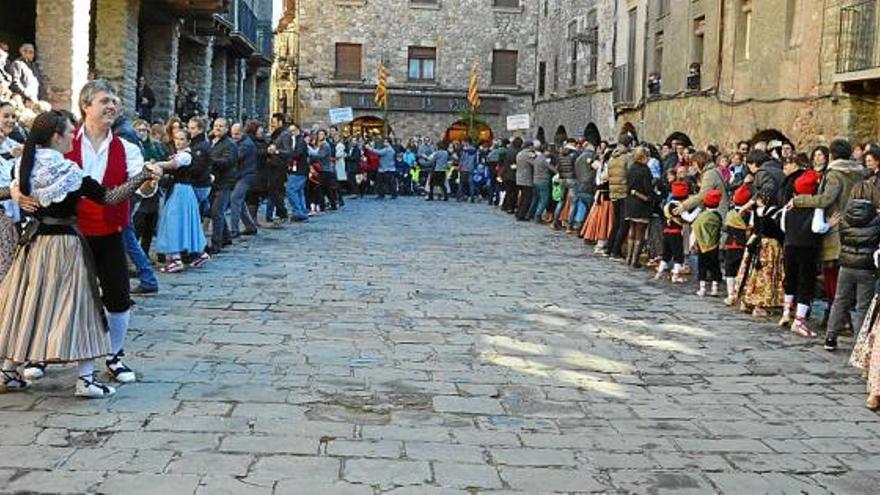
474	87
381	97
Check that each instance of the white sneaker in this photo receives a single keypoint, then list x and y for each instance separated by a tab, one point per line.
701	292
13	382
88	387
34	371
118	370
714	292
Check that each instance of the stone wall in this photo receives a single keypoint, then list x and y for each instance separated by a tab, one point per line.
233	90
576	103
461	31
218	82
160	63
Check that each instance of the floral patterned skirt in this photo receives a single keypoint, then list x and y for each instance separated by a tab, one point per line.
763	284
866	353
8	240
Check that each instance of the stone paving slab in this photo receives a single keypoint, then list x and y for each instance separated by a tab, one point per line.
444	349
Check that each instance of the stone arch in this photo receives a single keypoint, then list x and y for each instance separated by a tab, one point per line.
629	128
767	135
561	135
366	126
458	131
680	137
592	135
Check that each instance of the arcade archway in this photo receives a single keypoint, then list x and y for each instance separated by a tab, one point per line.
561	135
458	131
541	136
680	137
367	126
591	134
768	135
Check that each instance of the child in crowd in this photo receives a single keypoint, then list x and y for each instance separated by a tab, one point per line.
803	229
673	241
707	232
736	226
180	223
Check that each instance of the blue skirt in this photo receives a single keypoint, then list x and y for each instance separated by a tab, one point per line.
180	225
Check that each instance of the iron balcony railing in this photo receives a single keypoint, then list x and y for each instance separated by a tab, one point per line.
264	38
857	39
243	20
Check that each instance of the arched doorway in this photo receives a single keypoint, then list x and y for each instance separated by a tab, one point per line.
591	134
561	135
630	129
367	126
768	135
458	131
541	136
680	137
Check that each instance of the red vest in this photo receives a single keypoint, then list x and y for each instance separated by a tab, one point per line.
95	219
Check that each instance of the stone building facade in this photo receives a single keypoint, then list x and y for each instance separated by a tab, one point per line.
573	85
801	70
429	47
177	45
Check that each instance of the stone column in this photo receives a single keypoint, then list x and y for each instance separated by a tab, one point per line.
262	99
218	82
65	65
194	67
250	92
160	64
116	46
233	94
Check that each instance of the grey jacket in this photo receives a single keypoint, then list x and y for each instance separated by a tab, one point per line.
525	168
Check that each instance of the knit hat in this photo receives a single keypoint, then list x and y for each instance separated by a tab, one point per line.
742	195
680	190
807	183
712	199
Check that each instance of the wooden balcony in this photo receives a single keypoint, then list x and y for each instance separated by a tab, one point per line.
190	8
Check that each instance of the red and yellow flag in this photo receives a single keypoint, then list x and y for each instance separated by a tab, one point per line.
381	97
474	87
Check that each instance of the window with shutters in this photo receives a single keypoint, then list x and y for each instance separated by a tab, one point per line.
504	67
426	3
556	73
348	61
509	4
422	62
592	46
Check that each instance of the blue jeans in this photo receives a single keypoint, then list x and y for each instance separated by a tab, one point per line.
137	256
239	210
582	205
202	194
296	196
219	205
540	201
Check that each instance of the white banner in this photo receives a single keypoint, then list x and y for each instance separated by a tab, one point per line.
341	115
518	122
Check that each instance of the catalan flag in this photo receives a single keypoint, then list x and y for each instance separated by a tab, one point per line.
381	97
474	87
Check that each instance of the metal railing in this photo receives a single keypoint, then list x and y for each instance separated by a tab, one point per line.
624	88
265	38
857	39
243	20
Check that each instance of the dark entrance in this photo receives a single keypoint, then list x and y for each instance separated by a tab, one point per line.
18	24
591	134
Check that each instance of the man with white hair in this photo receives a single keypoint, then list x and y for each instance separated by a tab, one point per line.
25	74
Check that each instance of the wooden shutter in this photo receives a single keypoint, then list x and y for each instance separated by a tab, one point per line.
504	67
348	61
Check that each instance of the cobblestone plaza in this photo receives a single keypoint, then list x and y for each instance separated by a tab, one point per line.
436	353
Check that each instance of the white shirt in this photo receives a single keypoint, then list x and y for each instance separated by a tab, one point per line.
94	162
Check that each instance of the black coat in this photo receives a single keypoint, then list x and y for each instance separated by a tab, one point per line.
639	205
199	172
859	235
509	173
224	163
